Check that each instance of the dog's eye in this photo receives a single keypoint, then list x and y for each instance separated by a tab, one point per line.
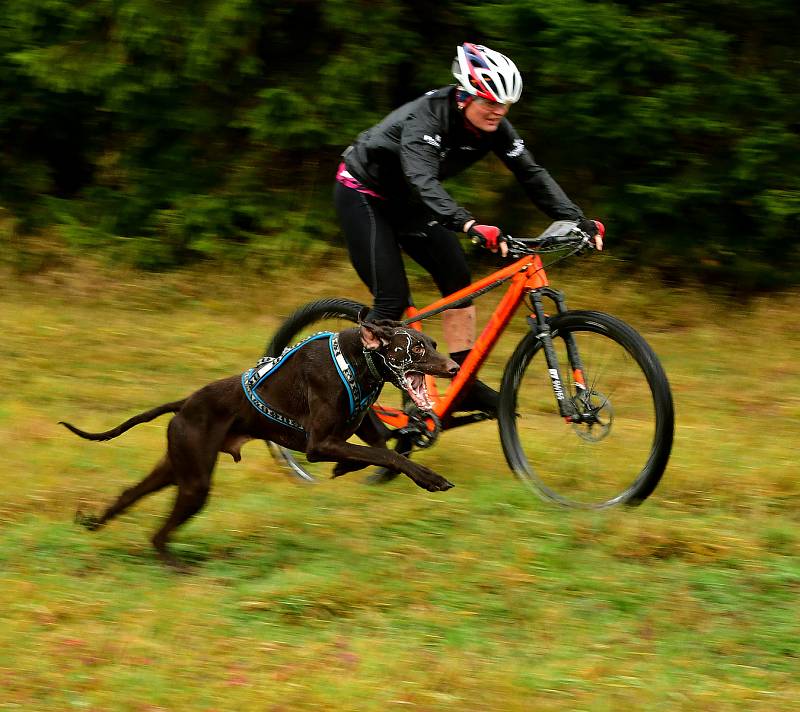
418	349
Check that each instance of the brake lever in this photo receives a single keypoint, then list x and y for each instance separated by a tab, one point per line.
586	243
515	247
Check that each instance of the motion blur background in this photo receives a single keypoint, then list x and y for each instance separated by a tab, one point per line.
162	132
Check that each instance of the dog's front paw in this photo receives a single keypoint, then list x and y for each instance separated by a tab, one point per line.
428	479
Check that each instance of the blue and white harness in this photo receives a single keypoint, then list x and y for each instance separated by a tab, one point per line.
267	365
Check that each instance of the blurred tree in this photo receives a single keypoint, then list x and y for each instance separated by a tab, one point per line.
680	116
170	130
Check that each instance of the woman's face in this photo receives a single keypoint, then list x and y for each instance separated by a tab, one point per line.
484	114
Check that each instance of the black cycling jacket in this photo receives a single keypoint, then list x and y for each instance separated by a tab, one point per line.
427	140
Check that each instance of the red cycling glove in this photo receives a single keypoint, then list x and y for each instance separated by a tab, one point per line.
489	236
594	229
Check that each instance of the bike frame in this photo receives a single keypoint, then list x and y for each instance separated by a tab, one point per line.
526	276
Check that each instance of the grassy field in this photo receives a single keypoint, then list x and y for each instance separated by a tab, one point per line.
350	597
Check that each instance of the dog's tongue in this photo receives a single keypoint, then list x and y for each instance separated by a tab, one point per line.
415	386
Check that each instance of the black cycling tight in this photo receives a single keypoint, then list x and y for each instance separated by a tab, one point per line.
375	232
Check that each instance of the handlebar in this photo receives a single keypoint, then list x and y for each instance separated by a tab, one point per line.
560	235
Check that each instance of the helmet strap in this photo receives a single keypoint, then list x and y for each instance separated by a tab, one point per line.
463	98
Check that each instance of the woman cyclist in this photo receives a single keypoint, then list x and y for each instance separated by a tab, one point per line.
389	195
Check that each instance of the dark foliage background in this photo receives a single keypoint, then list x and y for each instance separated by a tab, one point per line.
159	132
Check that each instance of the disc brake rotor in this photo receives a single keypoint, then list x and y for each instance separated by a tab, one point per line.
595	416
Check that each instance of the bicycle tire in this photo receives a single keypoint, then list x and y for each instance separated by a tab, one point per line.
309	314
330	314
624	458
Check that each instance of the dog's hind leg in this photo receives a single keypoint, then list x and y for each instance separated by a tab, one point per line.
193	447
188	502
160	477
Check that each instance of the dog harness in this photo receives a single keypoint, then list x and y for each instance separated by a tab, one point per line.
266	366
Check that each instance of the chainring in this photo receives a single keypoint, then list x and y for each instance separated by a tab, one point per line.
418	430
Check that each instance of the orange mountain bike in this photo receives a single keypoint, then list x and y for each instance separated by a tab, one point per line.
585	416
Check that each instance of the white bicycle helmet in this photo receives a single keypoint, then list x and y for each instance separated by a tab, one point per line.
488	74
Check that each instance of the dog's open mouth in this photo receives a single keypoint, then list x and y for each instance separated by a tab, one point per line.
414	383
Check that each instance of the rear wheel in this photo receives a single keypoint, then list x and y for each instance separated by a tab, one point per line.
618	449
327	315
324	315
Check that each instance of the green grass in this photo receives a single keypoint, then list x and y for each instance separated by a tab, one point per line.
345	596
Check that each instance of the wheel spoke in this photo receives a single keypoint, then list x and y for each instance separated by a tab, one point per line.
617	451
326	315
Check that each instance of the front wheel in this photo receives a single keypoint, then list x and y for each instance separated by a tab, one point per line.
616	449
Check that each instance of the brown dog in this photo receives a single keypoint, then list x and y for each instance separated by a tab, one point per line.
311	399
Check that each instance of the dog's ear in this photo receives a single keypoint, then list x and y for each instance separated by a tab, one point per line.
373	336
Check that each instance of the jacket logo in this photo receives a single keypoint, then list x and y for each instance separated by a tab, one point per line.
435	141
517	149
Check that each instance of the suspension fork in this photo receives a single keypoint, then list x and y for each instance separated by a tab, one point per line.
541	329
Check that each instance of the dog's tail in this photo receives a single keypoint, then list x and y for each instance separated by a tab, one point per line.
145	417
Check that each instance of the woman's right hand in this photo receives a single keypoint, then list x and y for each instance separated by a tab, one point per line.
489	236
